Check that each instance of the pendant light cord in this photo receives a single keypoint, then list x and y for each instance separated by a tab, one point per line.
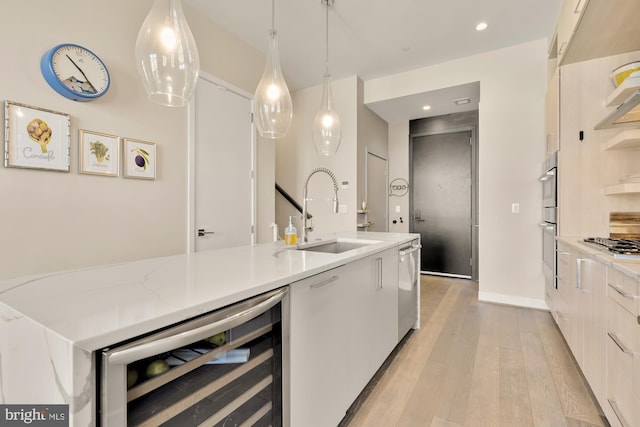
327	44
273	16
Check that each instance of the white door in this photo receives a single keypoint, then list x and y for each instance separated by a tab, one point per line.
377	190
222	165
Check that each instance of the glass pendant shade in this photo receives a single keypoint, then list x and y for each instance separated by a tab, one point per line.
272	98
327	131
167	55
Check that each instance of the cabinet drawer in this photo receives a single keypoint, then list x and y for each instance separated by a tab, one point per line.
565	288
623	405
623	343
564	265
625	290
561	316
636	362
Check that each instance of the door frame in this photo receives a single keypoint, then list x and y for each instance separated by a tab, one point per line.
366	183
474	187
191	159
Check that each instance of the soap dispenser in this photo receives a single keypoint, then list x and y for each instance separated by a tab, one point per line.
290	233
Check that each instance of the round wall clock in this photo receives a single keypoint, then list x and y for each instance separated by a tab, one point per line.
75	72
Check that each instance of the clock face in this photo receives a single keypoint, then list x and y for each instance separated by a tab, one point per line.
75	72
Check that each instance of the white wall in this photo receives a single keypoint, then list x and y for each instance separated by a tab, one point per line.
511	141
296	158
373	136
50	220
399	168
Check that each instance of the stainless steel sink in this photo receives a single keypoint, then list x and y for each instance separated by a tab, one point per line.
335	246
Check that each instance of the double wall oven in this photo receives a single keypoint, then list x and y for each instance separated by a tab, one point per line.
549	224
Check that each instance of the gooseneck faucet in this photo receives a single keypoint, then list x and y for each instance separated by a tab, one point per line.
305	228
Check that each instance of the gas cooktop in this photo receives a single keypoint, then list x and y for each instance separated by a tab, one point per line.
619	248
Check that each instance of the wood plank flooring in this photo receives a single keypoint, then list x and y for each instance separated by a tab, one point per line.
477	364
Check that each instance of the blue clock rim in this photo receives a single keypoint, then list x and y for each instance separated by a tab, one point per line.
46	66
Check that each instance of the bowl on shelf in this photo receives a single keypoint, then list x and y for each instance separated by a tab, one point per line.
621	73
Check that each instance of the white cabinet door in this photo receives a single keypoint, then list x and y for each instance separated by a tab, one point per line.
373	319
385	315
318	328
593	284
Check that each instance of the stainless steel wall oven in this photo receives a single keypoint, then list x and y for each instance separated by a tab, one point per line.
549	224
224	368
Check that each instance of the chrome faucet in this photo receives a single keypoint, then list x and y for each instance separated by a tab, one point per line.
305	228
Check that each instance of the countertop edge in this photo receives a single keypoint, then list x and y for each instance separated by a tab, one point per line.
109	335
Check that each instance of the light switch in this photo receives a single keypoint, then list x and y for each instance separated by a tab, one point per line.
515	208
397	209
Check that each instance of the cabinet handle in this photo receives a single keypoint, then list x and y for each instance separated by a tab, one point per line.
195	330
562	47
324	282
579	273
616	411
379	261
578	8
619	343
622	292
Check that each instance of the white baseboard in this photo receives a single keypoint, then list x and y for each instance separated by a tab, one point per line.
538	304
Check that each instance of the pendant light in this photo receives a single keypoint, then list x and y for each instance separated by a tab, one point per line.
167	55
272	99
326	131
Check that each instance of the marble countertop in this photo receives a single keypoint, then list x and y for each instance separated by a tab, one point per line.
630	267
99	306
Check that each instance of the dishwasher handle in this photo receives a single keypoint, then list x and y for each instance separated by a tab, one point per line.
195	330
413	248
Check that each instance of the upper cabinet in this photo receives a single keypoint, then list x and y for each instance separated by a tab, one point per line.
589	29
552	117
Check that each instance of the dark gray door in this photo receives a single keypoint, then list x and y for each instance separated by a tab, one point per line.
441	196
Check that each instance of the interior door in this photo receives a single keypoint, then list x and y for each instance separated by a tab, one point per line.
223	163
377	192
441	202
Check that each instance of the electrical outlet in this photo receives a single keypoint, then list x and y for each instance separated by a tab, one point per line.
515	208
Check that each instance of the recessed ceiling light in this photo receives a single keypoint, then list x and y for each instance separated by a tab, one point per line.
461	101
426	107
481	26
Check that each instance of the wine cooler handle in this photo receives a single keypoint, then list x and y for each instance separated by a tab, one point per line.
188	333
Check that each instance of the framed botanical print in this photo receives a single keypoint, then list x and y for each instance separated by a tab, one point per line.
99	153
139	159
36	138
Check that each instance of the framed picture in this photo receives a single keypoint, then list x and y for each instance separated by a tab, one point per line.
139	159
99	153
36	138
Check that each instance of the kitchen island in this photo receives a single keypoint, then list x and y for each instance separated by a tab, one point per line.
52	324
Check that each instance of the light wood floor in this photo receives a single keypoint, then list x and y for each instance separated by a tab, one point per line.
477	364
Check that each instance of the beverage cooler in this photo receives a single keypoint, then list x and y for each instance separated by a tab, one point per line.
224	368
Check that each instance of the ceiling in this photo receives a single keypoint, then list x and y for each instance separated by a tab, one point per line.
374	38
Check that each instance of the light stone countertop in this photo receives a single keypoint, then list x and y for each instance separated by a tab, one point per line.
629	267
100	306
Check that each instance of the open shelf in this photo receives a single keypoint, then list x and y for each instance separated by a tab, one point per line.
624	91
624	140
626	188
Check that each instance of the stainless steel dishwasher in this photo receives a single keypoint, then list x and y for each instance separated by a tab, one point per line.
408	287
225	368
